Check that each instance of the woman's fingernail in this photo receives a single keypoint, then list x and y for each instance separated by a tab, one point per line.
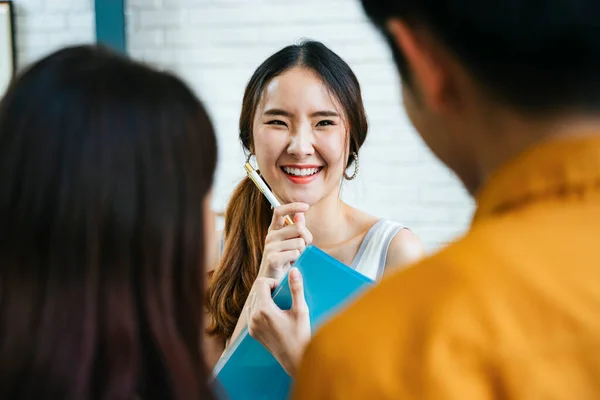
294	274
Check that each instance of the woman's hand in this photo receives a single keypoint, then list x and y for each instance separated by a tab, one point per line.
284	244
284	333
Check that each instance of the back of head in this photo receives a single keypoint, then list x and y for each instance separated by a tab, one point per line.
536	56
248	214
104	168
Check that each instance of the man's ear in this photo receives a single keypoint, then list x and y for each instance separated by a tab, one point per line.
425	71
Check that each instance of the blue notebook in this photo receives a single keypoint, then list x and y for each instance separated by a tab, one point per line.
247	370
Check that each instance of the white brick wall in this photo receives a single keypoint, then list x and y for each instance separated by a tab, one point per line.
43	26
216	45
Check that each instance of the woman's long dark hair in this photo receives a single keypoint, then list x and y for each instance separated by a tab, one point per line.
104	168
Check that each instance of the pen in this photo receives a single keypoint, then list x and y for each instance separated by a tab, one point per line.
262	186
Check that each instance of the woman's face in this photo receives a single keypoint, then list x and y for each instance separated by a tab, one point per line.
299	135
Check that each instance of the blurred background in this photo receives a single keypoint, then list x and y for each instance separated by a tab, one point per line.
215	45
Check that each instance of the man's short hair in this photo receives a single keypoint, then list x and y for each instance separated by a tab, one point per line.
536	55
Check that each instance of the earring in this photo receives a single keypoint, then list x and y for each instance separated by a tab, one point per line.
349	178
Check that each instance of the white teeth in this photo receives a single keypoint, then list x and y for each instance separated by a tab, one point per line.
301	171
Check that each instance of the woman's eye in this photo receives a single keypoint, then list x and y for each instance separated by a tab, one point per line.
276	122
325	123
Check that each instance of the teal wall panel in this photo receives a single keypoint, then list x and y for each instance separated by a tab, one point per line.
110	23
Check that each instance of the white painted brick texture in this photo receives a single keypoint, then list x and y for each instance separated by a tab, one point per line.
43	26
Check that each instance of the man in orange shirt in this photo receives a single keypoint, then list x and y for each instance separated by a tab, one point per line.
507	94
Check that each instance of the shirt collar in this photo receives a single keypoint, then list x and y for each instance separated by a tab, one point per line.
548	170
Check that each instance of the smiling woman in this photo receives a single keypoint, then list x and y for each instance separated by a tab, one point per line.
303	119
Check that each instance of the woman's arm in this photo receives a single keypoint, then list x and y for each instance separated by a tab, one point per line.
213	346
406	248
242	322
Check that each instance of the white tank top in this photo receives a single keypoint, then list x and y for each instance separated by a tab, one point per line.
372	254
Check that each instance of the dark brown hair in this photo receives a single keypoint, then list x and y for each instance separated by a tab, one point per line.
104	167
554	69
248	214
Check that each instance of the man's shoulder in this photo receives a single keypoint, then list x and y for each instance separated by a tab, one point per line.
384	338
417	296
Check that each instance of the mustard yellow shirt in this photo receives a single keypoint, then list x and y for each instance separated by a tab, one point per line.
509	311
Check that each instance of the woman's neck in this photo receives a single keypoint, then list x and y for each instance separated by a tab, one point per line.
327	221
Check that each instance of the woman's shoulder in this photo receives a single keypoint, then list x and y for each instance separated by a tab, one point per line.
405	248
367	222
361	220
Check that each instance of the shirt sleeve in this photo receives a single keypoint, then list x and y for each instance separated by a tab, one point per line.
315	378
403	341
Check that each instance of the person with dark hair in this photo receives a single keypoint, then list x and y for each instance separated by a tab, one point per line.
507	95
304	122
106	171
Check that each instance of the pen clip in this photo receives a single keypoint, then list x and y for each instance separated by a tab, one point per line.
250	172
